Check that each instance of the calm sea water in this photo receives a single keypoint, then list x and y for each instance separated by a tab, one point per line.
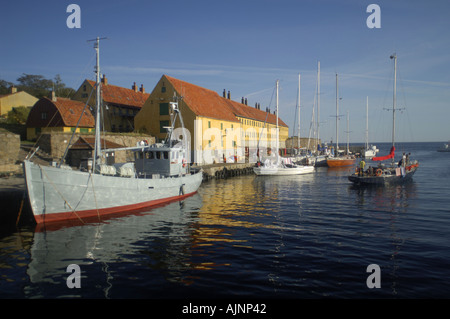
309	236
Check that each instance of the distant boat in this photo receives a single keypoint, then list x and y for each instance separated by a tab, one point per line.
340	160
159	174
444	148
274	165
393	173
369	151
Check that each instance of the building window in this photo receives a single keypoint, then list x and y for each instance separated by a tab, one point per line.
209	124
84	88
43	115
161	126
163	108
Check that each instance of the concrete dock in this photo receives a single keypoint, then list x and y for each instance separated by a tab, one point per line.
226	170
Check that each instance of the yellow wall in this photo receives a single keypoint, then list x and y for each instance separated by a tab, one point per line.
33	132
215	133
15	100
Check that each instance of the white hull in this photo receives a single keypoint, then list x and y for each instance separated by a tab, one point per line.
57	194
279	170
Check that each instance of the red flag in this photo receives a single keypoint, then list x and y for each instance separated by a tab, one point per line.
383	158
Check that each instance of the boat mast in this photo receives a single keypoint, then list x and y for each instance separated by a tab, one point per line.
337	116
348	132
394	56
277	145
298	131
367	123
97	147
318	102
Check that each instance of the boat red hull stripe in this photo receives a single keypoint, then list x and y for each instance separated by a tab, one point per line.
63	216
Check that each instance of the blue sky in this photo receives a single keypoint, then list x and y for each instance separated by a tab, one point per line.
245	46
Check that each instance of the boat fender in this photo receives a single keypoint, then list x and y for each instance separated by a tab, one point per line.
379	172
184	162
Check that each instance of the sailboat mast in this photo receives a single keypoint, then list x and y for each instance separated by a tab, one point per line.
348	132
298	130
318	102
394	56
337	116
277	121
367	123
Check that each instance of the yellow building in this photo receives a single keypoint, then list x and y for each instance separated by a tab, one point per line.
15	99
57	114
218	128
120	104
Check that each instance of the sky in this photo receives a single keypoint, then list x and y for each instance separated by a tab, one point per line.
245	46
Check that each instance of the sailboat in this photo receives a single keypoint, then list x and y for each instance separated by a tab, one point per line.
159	174
319	157
371	151
393	173
274	165
339	160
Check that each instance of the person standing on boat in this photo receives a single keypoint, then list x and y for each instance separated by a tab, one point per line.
404	160
361	167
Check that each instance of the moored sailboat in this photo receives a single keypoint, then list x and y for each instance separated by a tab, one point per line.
159	174
339	160
274	165
393	173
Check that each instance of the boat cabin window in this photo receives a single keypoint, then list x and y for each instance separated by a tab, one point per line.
166	155
158	155
149	155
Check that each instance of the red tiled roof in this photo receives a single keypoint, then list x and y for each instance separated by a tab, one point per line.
120	95
60	113
202	101
208	103
70	111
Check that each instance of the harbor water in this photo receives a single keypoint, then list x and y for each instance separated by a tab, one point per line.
300	237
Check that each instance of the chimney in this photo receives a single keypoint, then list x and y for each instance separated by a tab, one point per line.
229	95
53	96
13	89
134	87
104	80
242	100
246	101
224	93
142	88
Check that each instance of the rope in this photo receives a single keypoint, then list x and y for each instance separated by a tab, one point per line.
20	209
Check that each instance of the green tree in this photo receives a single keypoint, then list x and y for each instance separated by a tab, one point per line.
18	115
60	88
35	85
5	87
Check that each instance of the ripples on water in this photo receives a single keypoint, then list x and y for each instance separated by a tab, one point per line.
308	236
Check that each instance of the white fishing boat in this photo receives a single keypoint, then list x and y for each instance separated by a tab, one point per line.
274	164
387	174
159	174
